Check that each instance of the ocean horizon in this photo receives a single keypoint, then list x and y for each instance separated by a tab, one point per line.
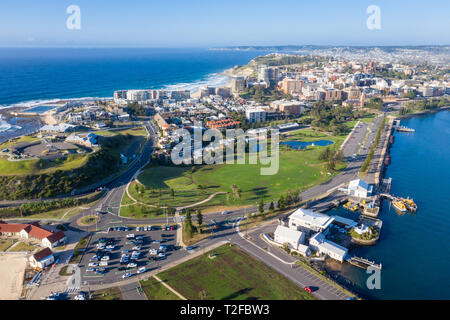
32	76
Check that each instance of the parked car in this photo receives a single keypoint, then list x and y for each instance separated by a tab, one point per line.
190	248
130	236
225	212
142	270
105	258
308	289
126	275
132	265
90	269
100	270
103	263
93	264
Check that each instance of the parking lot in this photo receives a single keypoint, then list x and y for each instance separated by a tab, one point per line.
123	252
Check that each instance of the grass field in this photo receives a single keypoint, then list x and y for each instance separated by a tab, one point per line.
77	253
298	170
154	290
140	211
9	144
24	167
139	131
107	294
22	246
231	275
5	244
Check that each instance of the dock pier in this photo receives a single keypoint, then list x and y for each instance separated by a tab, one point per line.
363	263
405	129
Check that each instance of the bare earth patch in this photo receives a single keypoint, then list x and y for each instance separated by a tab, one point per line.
12	268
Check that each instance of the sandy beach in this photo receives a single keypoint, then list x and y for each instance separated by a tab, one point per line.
12	269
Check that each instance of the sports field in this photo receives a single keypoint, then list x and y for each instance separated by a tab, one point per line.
230	275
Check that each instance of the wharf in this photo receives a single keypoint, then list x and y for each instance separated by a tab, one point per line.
405	129
363	263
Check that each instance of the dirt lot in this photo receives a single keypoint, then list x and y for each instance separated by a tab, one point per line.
12	268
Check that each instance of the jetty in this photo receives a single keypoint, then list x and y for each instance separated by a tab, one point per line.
363	263
405	129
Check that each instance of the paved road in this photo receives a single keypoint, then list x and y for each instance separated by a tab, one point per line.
364	132
129	292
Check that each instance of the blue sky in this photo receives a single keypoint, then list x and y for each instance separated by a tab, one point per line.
205	23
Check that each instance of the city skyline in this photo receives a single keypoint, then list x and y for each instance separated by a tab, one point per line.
211	24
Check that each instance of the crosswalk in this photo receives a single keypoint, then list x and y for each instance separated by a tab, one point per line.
72	289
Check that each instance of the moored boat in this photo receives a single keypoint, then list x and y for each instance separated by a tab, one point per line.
399	205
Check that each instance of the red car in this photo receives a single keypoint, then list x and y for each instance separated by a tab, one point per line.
308	289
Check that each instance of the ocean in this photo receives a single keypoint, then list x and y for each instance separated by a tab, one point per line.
31	76
413	248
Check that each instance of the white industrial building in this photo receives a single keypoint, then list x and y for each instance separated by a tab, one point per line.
319	243
292	237
359	188
307	220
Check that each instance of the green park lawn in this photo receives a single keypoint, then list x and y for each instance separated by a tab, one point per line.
25	167
138	131
5	244
22	246
154	290
107	294
231	275
298	170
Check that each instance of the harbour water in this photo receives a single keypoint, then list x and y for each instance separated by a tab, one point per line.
413	248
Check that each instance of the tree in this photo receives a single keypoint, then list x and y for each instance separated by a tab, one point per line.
199	217
271	207
172	193
188	224
281	203
261	206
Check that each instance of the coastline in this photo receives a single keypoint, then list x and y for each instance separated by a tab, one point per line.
428	112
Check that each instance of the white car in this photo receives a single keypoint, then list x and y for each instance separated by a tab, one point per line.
153	251
93	264
111	246
131	265
225	212
130	236
80	297
126	275
103	264
142	270
136	248
105	258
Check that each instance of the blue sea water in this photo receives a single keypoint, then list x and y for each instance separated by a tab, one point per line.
413	248
45	74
